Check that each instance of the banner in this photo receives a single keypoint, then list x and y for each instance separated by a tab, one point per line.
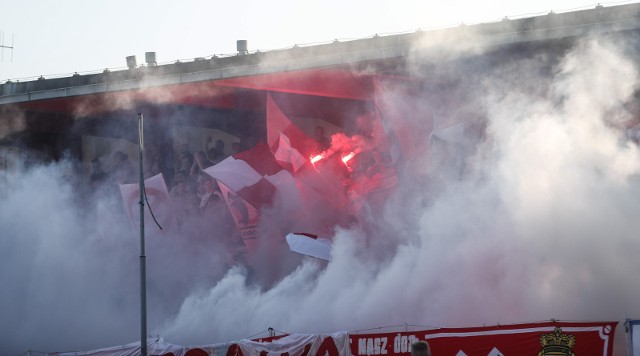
245	215
551	338
291	345
295	345
535	339
159	202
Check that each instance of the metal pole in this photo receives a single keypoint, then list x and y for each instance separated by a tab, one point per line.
143	263
628	330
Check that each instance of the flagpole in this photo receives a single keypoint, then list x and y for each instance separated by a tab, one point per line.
143	267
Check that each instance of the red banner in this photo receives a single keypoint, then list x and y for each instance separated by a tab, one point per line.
550	338
536	339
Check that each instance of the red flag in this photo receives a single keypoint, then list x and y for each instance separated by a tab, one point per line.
291	147
261	159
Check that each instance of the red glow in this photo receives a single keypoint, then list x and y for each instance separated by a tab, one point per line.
348	157
316	158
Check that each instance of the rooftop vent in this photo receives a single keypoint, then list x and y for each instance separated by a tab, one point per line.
242	47
131	62
150	58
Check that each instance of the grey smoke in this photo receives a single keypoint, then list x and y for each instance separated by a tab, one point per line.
540	222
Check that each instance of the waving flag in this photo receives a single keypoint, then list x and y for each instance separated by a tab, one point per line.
253	179
245	215
246	173
159	202
310	245
245	187
291	147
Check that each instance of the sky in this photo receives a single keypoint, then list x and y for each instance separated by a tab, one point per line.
59	38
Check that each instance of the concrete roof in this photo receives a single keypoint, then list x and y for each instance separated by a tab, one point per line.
372	51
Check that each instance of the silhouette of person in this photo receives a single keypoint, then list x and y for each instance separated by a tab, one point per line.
323	142
420	348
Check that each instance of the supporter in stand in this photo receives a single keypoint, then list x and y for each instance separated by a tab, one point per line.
98	176
218	154
236	147
160	159
185	200
122	170
200	163
152	161
323	142
420	348
216	219
211	155
211	195
185	159
208	146
184	150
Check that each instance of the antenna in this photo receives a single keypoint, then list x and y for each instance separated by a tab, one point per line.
3	46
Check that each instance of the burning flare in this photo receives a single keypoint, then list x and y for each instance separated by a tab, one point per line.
316	158
346	158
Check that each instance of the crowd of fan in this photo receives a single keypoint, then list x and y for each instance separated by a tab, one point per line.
192	191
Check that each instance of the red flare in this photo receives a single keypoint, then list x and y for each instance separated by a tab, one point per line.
348	157
316	158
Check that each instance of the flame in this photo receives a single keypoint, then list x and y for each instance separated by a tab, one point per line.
316	158
348	157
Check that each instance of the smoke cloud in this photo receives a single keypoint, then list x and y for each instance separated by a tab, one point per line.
70	267
539	224
532	217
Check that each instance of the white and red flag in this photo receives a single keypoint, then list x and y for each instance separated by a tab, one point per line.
246	173
291	147
245	186
245	215
255	177
158	201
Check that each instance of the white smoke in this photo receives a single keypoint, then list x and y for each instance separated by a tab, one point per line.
541	223
70	270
